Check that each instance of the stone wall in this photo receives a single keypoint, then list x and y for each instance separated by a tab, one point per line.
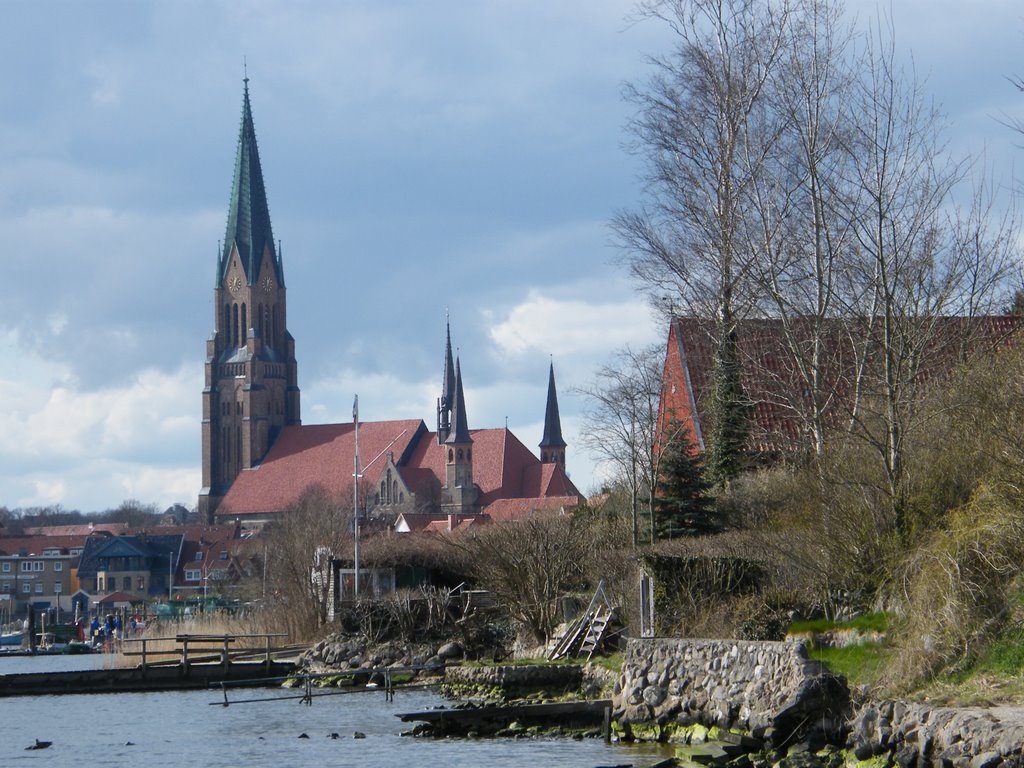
768	689
917	734
512	681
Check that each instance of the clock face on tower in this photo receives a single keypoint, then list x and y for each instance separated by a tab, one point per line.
268	283
235	283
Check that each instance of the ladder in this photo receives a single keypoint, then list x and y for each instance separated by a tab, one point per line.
586	632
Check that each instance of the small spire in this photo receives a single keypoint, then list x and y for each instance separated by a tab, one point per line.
460	430
552	423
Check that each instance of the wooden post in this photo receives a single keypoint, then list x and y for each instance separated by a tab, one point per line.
184	655
143	654
225	658
267	659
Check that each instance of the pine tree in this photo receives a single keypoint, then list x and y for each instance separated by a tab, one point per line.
730	415
683	505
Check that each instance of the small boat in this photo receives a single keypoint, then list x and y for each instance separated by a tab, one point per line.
11	638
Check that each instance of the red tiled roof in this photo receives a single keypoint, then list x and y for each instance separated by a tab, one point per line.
506	510
75	530
771	381
119	597
321	454
303	456
35	545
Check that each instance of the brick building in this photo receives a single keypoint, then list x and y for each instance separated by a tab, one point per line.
258	458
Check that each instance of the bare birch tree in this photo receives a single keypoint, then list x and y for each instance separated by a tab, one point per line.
700	126
800	239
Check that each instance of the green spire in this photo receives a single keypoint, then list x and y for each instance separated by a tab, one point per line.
249	215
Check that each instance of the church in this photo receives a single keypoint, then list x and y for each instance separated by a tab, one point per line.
257	456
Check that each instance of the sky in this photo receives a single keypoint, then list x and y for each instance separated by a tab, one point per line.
421	159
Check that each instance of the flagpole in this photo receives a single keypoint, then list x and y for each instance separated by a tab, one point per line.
355	500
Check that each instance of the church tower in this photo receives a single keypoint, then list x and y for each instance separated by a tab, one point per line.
447	399
552	446
460	493
251	388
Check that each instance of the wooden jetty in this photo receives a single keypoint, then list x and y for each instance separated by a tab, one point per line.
487	719
199	661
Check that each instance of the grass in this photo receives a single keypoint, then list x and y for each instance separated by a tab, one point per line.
868	622
859	664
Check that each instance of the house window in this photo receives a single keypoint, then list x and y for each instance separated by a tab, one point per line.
26	567
223	554
99	584
141	584
75	551
58	567
39	587
126	583
193	574
199	556
7	567
5	587
38	566
26	588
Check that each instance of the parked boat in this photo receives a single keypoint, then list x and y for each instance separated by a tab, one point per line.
11	638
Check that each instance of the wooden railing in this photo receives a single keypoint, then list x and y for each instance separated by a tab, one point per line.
203	649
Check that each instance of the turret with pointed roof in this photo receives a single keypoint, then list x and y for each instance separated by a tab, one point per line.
248	231
444	403
251	389
460	492
552	446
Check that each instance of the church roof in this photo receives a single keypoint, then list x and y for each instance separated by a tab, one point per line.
319	454
249	215
324	455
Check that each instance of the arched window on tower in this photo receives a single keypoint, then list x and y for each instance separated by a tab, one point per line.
244	328
234	325
225	326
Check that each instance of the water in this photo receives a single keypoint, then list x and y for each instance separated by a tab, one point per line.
161	730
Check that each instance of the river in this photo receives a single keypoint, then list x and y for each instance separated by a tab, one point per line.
159	730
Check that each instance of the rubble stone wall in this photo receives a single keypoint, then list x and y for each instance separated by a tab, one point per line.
768	689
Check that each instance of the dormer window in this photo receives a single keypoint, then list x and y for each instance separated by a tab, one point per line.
199	556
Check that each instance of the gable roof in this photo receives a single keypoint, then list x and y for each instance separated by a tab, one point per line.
304	456
773	385
320	454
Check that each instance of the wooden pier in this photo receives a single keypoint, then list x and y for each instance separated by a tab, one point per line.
198	661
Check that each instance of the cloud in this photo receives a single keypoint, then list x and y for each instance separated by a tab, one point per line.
570	327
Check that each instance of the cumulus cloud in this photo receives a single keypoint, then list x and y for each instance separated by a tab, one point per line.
570	327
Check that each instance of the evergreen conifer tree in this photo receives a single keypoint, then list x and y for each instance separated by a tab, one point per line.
730	415
683	505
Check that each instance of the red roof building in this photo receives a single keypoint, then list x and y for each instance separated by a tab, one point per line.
258	458
776	389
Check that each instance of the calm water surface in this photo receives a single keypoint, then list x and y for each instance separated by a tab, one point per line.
159	730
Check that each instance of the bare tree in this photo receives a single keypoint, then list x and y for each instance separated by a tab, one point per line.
704	130
299	550
529	565
801	240
620	421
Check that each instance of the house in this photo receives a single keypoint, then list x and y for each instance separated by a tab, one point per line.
158	563
40	572
780	402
